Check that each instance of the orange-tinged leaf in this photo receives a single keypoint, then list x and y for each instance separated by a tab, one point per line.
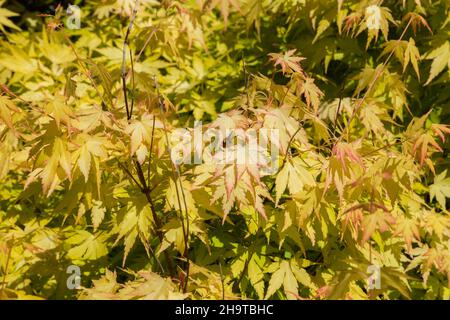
408	228
288	62
378	220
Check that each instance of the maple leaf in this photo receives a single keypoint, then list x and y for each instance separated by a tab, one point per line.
397	47
440	130
63	127
4	21
422	144
412	55
441	59
379	220
288	62
405	52
440	189
437	257
7	109
283	276
279	120
141	131
59	157
86	245
345	152
376	18
351	22
59	109
340	167
310	91
293	176
416	21
91	149
436	224
409	229
353	217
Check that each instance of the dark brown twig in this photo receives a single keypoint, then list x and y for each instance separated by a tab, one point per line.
142	182
124	59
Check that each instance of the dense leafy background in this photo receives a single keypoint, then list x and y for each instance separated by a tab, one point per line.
362	113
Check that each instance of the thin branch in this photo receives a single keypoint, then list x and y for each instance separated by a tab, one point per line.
222	280
143	184
124	58
150	252
132	83
158	224
130	174
151	150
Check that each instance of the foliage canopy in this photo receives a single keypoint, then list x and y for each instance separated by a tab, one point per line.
359	91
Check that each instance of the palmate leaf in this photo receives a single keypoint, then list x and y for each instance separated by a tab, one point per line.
310	91
59	110
87	246
409	229
376	18
293	176
285	233
390	278
7	109
283	276
4	21
140	132
147	285
51	174
405	51
440	189
256	276
412	55
17	60
441	59
378	220
288	61
422	146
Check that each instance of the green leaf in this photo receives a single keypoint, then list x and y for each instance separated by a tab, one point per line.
441	59
4	21
87	246
283	276
440	189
